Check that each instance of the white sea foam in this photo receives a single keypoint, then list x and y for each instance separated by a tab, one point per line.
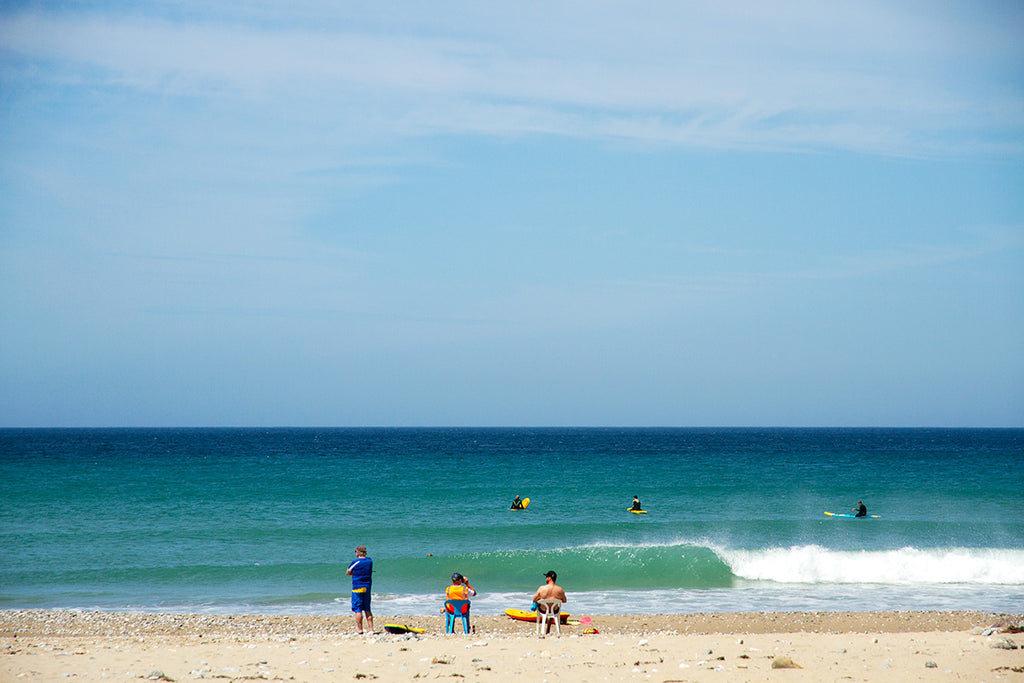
905	566
765	597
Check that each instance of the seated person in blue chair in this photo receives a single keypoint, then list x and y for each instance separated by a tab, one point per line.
457	602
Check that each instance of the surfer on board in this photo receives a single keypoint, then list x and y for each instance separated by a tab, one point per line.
636	504
517	504
861	509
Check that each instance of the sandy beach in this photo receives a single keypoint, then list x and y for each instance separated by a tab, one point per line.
821	646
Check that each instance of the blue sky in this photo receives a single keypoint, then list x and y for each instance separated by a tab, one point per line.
557	213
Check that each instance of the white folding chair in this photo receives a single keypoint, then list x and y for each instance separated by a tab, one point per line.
549	609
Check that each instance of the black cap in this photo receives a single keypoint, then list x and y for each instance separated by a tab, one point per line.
551	575
456	577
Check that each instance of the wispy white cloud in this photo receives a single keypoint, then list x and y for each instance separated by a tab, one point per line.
211	189
867	78
980	242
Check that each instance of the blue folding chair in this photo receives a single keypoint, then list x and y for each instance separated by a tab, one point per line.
456	609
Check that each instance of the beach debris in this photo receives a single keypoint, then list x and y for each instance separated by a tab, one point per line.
157	675
931	665
439	660
638	662
785	663
1005	644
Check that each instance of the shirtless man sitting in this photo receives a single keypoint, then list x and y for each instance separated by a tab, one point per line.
550	589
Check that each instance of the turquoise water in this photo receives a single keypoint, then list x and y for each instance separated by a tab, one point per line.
264	521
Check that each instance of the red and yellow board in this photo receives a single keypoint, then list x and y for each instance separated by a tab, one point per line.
524	615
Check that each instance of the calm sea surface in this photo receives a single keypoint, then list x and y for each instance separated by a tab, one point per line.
264	520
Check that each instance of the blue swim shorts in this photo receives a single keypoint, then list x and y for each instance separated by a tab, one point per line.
360	599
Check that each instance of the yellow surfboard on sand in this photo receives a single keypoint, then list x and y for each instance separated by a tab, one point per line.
524	615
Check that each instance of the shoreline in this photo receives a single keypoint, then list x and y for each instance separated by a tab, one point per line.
48	645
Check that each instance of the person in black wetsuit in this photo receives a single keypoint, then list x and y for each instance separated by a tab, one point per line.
517	504
636	504
861	509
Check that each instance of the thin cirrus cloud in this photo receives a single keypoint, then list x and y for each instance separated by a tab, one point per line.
796	81
336	200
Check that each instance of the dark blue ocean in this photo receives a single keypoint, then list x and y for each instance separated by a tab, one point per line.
265	520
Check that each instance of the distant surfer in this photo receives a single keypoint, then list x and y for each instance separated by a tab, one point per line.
636	504
517	504
861	509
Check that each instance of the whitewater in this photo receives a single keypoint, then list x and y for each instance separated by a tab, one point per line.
265	520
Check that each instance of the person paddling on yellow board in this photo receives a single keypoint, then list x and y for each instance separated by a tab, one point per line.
636	504
518	504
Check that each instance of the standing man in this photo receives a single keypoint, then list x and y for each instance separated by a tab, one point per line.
361	571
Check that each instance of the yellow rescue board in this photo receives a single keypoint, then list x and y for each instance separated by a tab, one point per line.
402	628
524	615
